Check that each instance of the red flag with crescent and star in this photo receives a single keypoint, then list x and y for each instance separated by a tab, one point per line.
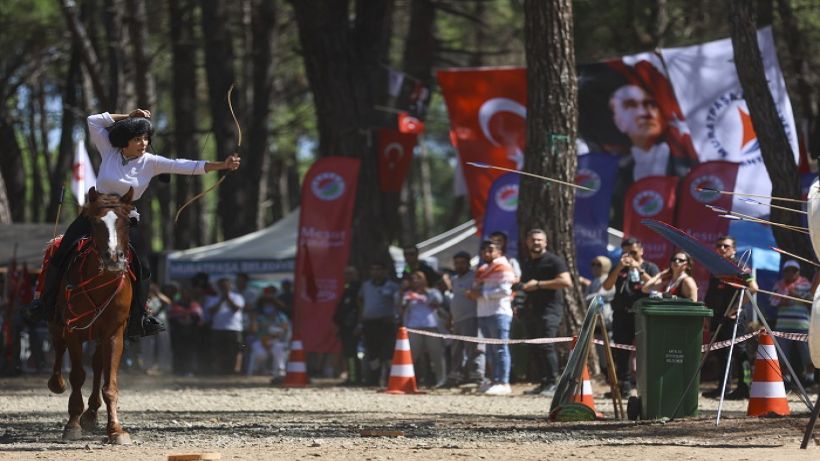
488	111
395	152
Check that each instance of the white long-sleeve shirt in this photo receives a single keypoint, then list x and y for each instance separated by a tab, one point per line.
115	177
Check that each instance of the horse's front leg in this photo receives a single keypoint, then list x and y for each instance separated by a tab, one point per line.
72	430
88	420
113	354
56	383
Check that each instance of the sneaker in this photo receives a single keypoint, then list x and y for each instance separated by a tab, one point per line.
549	390
483	387
499	389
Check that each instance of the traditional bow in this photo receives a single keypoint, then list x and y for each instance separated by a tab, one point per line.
216	184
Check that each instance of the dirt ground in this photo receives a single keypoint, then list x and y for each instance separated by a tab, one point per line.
248	419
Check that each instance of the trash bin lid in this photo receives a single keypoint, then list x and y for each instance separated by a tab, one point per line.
670	307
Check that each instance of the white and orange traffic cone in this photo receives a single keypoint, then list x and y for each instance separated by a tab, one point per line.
297	367
767	394
584	392
402	375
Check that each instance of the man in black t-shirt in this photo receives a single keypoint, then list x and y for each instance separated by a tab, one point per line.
412	263
627	277
543	277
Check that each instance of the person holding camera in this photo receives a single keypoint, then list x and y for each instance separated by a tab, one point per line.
628	277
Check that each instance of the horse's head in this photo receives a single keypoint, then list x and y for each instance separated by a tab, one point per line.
108	215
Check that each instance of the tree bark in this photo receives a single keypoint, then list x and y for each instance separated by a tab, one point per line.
87	54
189	230
11	167
263	33
774	144
5	206
552	108
70	109
234	202
341	62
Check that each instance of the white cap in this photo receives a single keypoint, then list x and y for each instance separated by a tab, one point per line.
791	263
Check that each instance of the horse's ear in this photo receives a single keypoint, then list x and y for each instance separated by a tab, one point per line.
92	194
128	196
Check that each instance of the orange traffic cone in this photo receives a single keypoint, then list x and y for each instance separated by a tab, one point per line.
767	395
297	368
402	376
584	393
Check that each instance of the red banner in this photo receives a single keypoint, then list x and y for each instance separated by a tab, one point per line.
395	158
328	198
650	198
694	218
488	110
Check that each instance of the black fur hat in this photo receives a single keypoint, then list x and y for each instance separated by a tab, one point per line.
127	129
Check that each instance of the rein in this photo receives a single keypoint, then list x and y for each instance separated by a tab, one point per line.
88	286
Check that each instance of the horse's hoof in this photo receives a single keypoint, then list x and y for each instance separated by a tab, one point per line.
120	439
56	384
88	421
72	433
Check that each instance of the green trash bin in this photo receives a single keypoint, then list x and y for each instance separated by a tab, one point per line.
668	338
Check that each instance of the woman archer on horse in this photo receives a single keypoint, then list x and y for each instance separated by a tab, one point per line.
122	140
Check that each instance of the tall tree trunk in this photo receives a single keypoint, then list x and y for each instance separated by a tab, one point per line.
188	231
87	54
263	29
342	64
418	61
113	19
235	204
36	106
798	53
70	108
146	98
774	144
552	111
11	167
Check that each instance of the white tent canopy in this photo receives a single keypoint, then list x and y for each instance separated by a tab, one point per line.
273	251
267	251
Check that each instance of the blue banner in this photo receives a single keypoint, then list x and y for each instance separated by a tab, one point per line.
596	171
500	215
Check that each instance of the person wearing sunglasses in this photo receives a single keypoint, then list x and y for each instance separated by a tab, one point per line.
675	280
721	298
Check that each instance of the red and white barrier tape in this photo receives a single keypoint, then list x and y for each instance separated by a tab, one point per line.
718	345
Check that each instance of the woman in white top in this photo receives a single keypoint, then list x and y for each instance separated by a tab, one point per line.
676	280
122	140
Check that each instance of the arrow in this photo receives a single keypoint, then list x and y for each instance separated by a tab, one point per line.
524	173
709	189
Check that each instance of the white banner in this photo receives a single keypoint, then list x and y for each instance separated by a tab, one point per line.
708	90
82	173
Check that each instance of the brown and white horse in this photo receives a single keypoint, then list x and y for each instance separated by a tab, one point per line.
93	304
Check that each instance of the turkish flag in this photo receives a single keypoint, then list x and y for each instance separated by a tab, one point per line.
488	110
410	124
395	151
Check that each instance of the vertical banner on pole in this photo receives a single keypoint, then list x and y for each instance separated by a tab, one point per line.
328	198
595	171
502	205
694	218
650	198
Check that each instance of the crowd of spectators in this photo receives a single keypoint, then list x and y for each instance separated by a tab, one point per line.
234	326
